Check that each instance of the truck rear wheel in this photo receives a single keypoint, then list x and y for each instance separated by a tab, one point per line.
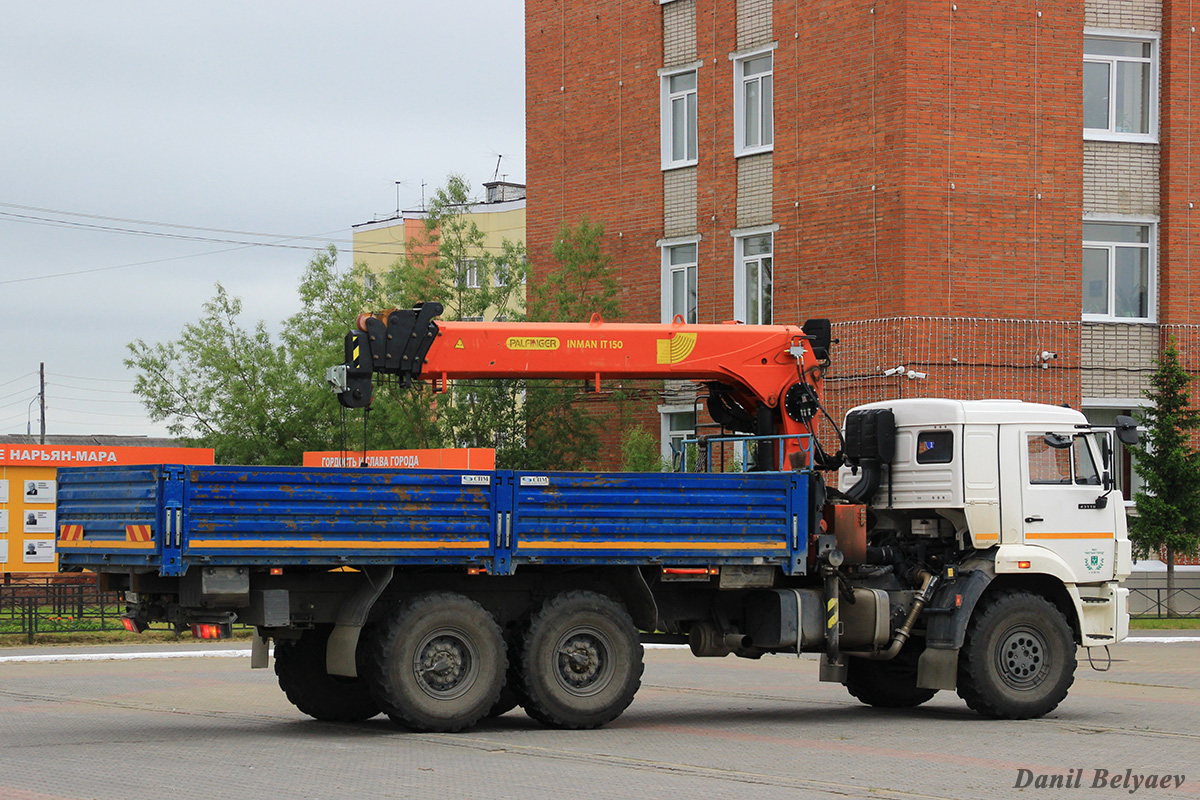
300	667
888	684
1018	660
437	663
581	663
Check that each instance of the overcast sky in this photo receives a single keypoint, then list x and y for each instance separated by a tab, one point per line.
289	119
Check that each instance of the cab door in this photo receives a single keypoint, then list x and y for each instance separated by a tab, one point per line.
1064	504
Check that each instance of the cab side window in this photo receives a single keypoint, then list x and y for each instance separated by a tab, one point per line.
1048	465
935	447
1086	473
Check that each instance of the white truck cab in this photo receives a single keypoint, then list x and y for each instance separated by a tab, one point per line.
1022	492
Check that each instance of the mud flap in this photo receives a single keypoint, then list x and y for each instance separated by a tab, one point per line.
938	669
343	641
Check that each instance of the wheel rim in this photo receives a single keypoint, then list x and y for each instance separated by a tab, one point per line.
445	664
1022	657
583	664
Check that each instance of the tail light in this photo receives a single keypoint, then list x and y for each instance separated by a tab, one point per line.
212	630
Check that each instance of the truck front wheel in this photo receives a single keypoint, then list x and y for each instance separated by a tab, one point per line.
1018	660
437	662
888	684
300	667
581	663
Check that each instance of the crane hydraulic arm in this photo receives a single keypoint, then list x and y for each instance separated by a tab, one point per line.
763	379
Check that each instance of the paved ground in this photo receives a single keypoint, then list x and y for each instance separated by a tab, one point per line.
211	728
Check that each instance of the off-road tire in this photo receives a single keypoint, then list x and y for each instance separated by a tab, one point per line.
436	662
1018	660
300	667
888	684
581	661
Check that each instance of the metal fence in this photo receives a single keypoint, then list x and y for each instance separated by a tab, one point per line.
57	604
1161	603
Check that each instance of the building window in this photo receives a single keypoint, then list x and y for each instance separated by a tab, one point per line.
753	103
1120	88
1118	272
679	292
753	279
678	424
468	273
679	127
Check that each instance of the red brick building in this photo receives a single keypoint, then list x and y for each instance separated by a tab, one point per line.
994	196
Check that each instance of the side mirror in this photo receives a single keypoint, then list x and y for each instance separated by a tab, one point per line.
1058	441
1126	427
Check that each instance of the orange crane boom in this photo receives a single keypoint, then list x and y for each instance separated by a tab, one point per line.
764	379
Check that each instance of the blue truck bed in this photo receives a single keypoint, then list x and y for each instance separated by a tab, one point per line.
167	518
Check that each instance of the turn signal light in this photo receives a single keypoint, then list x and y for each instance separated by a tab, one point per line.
1023	565
212	630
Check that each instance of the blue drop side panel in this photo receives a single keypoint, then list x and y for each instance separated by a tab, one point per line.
104	500
655	518
240	515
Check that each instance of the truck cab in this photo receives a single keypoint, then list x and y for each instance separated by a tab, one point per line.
1020	491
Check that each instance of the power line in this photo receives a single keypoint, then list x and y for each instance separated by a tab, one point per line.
19	377
58	400
81	378
62	223
14	394
241	244
286	236
90	389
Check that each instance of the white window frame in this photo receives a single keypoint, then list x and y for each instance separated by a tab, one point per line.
1152	268
741	305
469	272
665	432
666	109
667	293
1110	134
740	86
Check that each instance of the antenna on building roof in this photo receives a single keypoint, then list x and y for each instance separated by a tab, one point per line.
497	170
398	197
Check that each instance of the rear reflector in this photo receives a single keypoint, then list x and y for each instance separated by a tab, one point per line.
212	630
132	625
691	571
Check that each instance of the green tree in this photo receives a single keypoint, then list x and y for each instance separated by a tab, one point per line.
1168	506
262	399
256	399
640	452
452	264
562	426
583	282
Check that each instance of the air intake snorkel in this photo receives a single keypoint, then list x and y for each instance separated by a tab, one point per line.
870	447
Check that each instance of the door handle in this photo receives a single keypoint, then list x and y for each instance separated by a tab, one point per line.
1033	519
